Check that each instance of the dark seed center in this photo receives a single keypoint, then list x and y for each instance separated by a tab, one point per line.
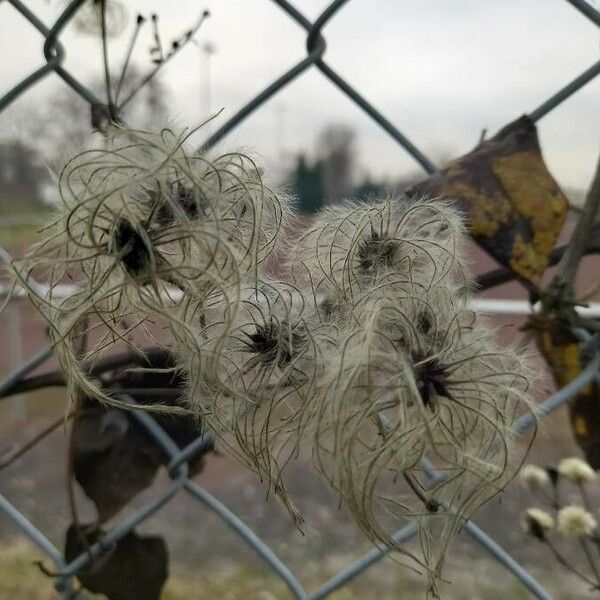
424	323
131	248
274	343
432	380
185	198
376	251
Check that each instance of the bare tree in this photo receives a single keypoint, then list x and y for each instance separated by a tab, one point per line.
22	176
60	126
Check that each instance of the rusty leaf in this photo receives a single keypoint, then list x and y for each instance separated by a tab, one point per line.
514	206
135	567
561	351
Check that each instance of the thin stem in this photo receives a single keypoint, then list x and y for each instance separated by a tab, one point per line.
585	497
569	264
430	504
138	26
495	277
560	558
556	496
36	439
588	505
180	44
589	324
590	292
544	497
105	60
157	40
590	558
92	368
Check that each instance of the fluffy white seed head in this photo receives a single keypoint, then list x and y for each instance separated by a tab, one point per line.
533	477
394	394
146	231
536	522
575	521
255	364
576	470
351	246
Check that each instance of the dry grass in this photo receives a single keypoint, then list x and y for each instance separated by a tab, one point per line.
21	580
20	234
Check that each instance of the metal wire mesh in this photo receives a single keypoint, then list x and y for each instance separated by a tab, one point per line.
54	56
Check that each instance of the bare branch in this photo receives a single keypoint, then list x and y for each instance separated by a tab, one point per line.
56	378
36	439
176	46
109	98
502	275
564	282
138	25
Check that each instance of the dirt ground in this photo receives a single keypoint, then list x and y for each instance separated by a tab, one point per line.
208	560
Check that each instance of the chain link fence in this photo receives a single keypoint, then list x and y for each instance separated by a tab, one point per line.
316	46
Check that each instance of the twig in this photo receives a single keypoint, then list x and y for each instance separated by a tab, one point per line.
561	559
430	504
37	439
588	505
176	47
587	324
111	105
157	40
590	292
138	26
563	285
56	378
591	560
543	496
504	275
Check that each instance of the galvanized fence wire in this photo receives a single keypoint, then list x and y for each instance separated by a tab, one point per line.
316	46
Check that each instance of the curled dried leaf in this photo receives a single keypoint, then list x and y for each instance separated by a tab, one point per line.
515	208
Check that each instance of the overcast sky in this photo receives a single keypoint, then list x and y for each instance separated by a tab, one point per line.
440	70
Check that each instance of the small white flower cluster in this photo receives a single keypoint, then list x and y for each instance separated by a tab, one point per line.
575	521
536	522
576	470
572	521
366	352
533	477
573	469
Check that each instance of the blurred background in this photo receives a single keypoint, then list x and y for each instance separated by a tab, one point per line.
442	72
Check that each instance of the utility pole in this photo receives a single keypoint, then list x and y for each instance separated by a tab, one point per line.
207	50
279	130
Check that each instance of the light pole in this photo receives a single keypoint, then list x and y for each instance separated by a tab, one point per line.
279	130
207	50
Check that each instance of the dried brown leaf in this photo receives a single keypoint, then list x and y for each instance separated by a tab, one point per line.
114	456
515	208
135	567
561	350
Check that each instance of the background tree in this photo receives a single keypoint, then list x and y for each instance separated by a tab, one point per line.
337	152
307	181
55	130
22	176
